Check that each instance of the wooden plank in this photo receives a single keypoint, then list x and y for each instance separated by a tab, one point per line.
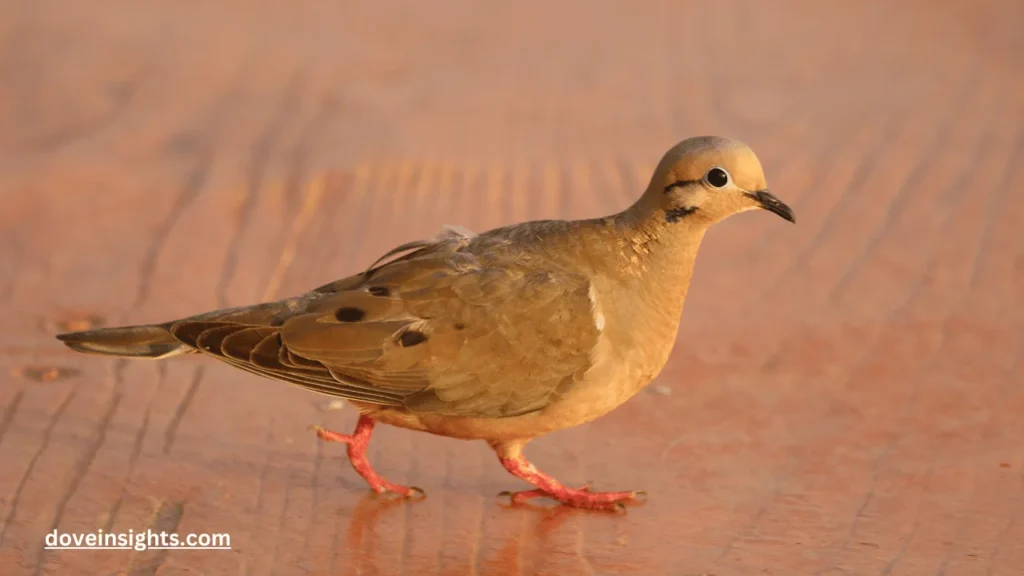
843	396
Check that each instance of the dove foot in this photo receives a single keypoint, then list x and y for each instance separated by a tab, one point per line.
357	442
512	459
580	497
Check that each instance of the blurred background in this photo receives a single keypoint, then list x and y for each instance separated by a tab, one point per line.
845	396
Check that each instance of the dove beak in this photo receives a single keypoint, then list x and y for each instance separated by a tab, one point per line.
769	202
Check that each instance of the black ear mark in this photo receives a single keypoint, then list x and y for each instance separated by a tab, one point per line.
673	215
680	184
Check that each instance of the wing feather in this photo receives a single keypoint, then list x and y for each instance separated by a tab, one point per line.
446	328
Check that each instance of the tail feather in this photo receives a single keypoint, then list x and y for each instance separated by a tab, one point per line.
151	341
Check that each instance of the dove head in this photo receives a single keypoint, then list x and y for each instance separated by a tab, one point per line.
706	179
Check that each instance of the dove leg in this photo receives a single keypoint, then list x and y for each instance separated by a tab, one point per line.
357	443
511	457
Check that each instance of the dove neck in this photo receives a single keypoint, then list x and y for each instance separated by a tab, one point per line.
645	268
658	253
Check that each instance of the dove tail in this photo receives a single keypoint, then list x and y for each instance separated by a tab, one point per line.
152	341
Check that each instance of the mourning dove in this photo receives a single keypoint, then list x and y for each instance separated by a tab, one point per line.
502	336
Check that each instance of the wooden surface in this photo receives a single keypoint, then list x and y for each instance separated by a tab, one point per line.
846	395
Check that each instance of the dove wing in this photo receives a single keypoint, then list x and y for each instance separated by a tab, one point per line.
453	327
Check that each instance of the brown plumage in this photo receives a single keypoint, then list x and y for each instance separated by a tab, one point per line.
501	336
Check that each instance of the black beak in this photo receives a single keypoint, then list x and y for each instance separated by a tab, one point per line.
772	204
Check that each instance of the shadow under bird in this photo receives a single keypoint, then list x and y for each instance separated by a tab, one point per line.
501	336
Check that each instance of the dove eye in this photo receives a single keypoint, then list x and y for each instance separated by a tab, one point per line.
717	177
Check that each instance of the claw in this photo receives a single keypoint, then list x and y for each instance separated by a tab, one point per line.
397	492
321	432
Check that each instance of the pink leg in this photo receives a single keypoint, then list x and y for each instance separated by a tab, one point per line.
512	459
357	443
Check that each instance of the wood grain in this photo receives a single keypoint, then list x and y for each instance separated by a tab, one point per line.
845	396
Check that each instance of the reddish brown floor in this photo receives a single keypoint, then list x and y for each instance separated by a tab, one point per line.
846	395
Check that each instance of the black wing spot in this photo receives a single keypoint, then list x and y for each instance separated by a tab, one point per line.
460	326
349	314
381	291
411	338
